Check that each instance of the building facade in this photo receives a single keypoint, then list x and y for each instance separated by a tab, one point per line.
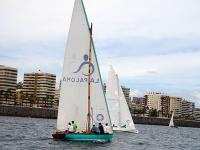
8	82
139	103
187	110
126	92
19	97
39	89
175	106
197	114
154	100
56	98
165	106
138	106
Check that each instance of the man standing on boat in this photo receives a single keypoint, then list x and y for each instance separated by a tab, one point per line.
74	125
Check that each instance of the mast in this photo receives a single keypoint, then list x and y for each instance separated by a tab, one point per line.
89	83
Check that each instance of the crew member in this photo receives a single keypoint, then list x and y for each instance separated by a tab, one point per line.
74	126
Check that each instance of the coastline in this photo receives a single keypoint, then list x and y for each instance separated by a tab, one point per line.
33	112
165	122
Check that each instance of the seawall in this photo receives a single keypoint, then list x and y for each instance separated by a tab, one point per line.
28	112
165	121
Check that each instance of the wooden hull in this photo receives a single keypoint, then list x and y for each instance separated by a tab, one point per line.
59	135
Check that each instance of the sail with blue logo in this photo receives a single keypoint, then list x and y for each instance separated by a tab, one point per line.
73	102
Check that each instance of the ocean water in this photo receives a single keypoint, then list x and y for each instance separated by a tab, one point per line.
18	133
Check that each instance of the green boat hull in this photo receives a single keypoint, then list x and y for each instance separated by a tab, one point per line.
89	137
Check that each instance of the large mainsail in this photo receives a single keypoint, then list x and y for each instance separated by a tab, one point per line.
73	101
119	111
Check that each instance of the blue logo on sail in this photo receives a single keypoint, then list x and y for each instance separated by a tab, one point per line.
100	117
84	78
85	57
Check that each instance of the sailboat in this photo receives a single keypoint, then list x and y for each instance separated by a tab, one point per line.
171	123
121	118
82	99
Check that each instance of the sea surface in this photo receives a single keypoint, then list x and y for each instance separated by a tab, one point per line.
18	133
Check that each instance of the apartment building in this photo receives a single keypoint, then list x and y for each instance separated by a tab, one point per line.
8	82
187	109
165	106
39	89
56	98
139	103
197	114
126	92
175	106
153	100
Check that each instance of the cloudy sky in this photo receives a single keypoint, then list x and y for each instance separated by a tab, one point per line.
154	45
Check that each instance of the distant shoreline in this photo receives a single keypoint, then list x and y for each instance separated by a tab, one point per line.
165	122
20	111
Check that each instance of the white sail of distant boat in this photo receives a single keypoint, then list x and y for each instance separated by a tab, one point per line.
80	57
171	123
121	118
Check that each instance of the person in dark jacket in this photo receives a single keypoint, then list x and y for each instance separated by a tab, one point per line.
101	129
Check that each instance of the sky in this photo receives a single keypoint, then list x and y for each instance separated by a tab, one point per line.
153	45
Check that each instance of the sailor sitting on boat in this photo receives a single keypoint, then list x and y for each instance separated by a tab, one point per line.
114	125
107	129
101	128
74	125
95	130
70	128
123	126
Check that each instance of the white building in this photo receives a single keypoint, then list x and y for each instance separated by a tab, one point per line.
154	100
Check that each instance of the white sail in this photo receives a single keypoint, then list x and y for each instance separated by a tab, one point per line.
112	95
171	123
125	115
73	103
118	108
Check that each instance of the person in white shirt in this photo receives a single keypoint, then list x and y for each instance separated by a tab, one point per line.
70	128
107	129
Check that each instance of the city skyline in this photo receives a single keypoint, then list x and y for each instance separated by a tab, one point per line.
153	45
